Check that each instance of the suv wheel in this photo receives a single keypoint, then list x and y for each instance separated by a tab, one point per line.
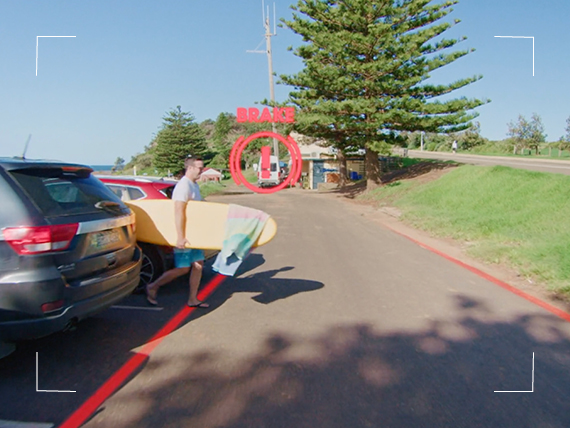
151	267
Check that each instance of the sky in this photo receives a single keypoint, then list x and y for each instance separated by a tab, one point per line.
103	94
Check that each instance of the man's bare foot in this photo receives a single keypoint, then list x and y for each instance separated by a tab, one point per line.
198	304
151	294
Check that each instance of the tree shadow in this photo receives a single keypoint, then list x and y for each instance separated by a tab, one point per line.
84	358
352	190
352	376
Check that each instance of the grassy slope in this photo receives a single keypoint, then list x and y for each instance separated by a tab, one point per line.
508	215
213	188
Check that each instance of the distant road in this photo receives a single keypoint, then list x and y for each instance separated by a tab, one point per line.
533	164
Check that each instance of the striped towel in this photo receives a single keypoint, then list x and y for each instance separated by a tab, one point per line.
243	227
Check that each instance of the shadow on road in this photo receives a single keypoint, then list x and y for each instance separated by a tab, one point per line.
83	359
351	376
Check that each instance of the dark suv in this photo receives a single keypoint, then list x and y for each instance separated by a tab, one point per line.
67	248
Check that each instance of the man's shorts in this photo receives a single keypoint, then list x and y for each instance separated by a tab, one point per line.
185	257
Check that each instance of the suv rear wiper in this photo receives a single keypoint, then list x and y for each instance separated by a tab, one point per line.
108	205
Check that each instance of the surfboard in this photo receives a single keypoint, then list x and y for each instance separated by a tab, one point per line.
205	223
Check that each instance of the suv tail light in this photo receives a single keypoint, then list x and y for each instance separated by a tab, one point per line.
40	239
52	306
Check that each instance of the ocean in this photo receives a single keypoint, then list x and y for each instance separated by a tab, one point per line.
100	168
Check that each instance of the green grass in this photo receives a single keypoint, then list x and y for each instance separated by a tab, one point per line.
250	175
543	154
212	188
407	162
389	193
507	215
498	149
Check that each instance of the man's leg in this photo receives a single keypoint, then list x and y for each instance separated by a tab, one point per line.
165	278
195	277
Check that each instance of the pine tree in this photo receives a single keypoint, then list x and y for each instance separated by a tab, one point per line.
119	164
366	63
179	137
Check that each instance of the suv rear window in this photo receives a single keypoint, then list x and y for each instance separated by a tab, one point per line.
57	192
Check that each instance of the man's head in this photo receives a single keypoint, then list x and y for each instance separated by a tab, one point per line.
194	166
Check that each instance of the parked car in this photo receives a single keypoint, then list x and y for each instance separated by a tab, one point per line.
156	258
67	248
131	188
273	174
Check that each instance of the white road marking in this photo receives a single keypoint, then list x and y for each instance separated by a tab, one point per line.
141	308
16	424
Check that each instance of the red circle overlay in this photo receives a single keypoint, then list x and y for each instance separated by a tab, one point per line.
240	145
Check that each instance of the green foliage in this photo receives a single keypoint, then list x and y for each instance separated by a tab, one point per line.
527	133
467	140
562	144
471	138
221	142
500	147
119	165
179	137
225	131
143	161
366	63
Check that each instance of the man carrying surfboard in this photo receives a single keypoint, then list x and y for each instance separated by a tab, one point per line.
185	259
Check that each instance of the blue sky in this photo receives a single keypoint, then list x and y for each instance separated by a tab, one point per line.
103	94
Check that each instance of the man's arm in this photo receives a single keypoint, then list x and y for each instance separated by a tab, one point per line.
180	223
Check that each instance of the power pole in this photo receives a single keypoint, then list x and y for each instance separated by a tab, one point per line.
268	36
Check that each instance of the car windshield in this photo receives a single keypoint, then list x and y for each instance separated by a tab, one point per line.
58	193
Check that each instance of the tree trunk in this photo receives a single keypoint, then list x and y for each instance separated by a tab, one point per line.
342	169
372	166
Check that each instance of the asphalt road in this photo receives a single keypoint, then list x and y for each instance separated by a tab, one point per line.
338	322
530	163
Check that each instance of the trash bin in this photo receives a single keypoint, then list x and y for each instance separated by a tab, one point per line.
353	175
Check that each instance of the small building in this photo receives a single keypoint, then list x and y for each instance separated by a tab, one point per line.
321	165
210	174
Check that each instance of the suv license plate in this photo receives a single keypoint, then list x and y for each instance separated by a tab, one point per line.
103	240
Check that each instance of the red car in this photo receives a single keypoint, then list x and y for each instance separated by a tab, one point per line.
131	188
156	259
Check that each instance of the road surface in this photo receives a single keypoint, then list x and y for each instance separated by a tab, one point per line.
336	323
530	163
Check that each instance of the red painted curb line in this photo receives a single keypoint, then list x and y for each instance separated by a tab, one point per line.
90	406
558	312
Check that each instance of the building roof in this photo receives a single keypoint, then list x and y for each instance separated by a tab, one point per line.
211	171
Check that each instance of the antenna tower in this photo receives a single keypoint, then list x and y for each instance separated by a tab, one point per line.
268	35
